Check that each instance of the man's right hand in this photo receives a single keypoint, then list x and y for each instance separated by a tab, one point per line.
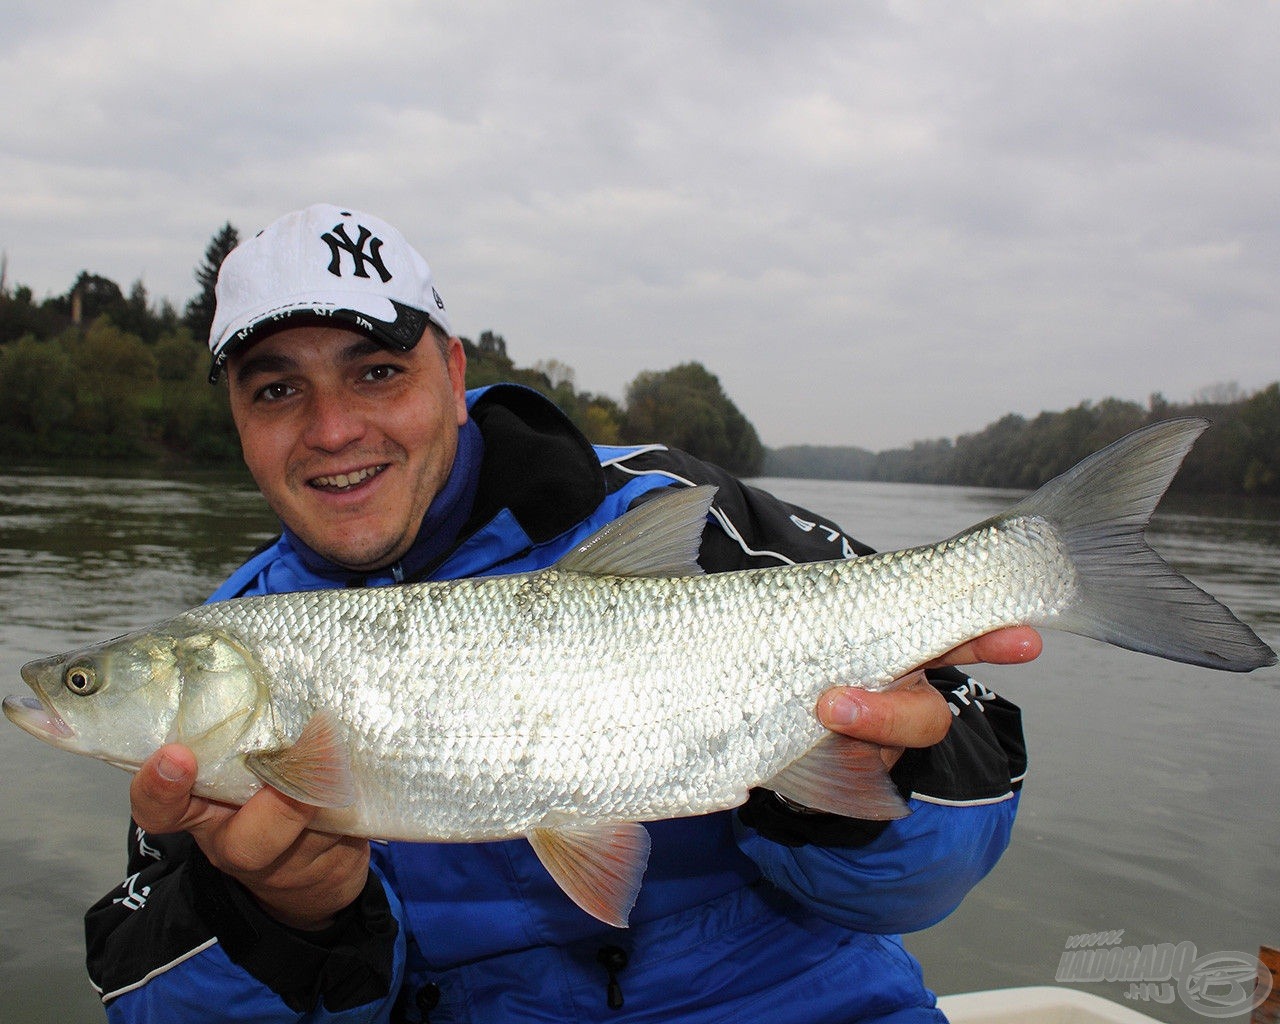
300	877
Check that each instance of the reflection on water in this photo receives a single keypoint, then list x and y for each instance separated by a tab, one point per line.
83	558
67	543
1150	804
1247	580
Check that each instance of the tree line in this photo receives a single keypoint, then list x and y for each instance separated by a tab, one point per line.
98	374
1238	455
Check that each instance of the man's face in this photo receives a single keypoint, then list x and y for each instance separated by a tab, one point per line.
348	441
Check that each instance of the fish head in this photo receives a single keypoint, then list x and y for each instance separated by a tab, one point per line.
121	700
104	701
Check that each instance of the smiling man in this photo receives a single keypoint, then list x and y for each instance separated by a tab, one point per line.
348	447
346	384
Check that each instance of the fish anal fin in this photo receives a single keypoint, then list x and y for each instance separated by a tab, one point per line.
842	776
315	769
598	866
659	538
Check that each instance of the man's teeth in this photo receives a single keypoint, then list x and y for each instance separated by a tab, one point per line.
347	479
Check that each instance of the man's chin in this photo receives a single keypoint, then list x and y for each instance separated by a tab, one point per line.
358	558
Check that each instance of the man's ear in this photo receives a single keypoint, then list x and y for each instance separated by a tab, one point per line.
456	365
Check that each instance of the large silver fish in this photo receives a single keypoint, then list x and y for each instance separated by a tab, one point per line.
621	686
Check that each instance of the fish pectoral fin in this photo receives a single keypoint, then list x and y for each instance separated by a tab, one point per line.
598	866
314	770
842	776
659	538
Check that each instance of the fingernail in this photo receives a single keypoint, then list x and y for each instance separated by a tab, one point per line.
843	709
170	770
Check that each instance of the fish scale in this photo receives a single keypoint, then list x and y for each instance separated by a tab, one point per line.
620	686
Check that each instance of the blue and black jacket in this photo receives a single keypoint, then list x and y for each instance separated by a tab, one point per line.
762	913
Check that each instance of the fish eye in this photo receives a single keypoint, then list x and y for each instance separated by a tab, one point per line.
81	680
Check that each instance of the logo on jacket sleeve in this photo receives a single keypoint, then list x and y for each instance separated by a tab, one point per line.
135	896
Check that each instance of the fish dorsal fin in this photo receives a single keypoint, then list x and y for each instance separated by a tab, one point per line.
598	866
842	776
659	538
314	770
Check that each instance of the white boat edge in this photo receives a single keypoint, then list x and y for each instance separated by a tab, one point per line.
1037	1004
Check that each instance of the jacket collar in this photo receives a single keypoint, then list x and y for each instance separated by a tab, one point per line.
537	465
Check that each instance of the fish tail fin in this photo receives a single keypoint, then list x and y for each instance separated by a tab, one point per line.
1127	594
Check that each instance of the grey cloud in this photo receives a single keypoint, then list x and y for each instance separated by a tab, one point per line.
875	222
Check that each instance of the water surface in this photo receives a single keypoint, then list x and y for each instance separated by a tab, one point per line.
1150	805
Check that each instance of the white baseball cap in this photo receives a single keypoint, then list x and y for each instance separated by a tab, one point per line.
324	262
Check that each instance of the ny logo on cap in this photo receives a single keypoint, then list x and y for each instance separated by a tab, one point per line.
339	242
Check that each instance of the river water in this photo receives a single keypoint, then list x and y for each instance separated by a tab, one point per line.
1150	806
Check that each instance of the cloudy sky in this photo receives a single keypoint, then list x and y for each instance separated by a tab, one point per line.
875	222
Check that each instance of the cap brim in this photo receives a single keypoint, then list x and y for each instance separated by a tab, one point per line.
401	334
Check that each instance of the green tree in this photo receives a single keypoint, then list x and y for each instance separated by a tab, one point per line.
199	313
20	316
134	316
38	381
487	361
194	418
90	297
116	375
601	420
1260	417
493	346
686	407
178	356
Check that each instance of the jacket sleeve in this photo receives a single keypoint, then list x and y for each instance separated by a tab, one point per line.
872	876
177	940
908	874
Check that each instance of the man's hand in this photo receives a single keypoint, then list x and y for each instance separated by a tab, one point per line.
300	877
914	713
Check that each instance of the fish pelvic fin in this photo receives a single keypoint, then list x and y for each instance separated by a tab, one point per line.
843	776
315	770
659	538
1127	594
598	866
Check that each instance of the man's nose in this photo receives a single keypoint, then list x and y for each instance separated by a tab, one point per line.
334	421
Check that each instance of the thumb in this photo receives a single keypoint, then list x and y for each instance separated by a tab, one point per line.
160	793
912	715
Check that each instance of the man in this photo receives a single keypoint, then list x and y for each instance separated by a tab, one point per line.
347	389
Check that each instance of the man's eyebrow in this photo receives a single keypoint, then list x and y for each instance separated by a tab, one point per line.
256	363
360	348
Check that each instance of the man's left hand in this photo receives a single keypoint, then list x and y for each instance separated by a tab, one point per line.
914	713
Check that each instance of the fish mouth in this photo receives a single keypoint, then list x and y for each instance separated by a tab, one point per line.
30	714
337	483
